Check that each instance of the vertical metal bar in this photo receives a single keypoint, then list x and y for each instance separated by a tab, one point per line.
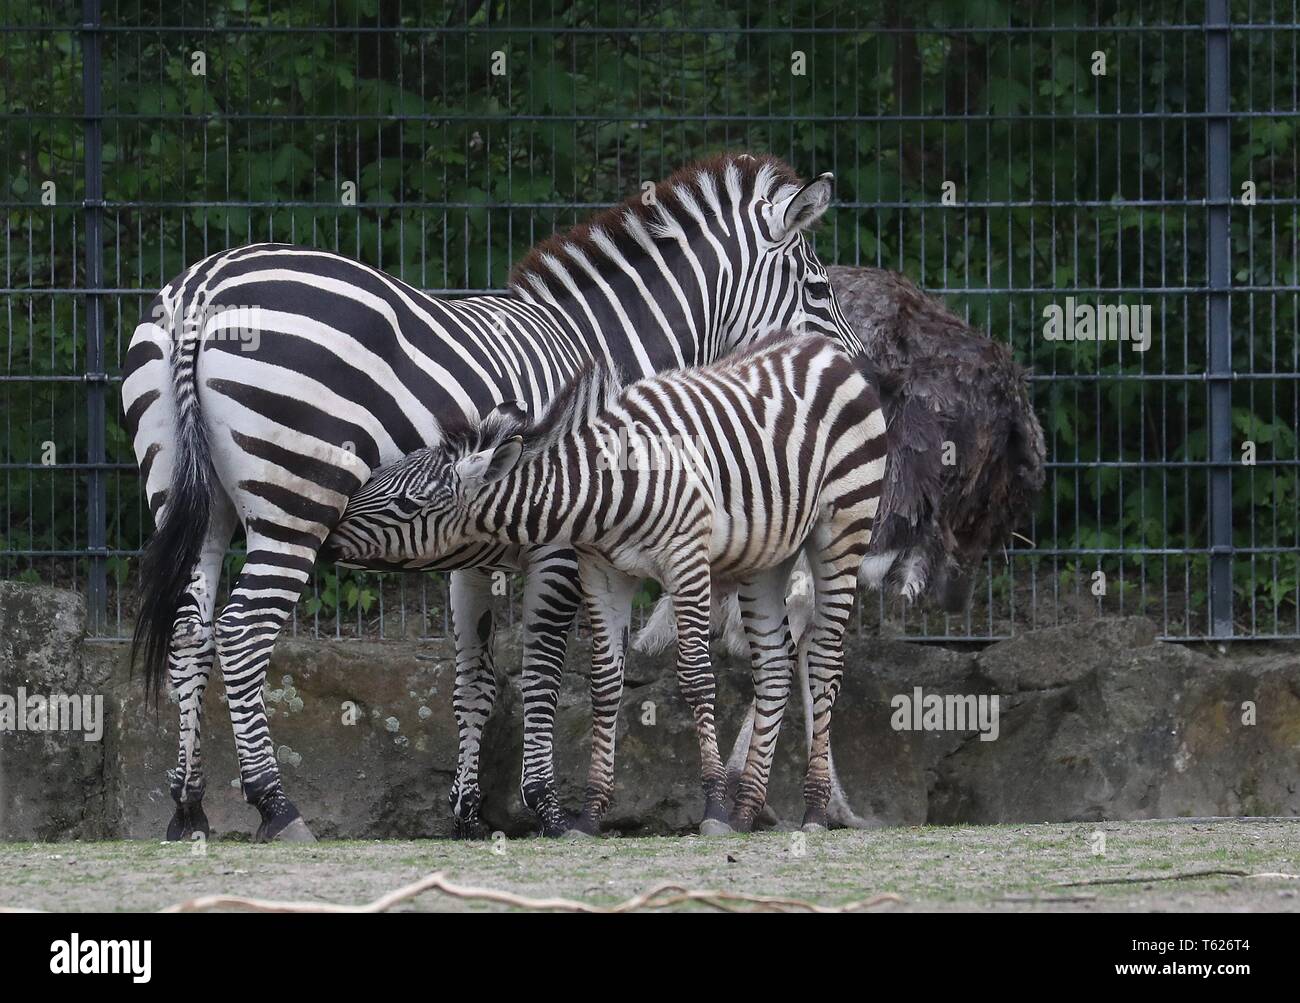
96	380
1219	370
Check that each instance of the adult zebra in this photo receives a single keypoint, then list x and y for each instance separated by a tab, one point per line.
346	369
722	473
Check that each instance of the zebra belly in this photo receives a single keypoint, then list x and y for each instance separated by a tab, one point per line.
489	556
740	559
749	539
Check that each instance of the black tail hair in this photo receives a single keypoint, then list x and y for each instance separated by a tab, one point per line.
176	545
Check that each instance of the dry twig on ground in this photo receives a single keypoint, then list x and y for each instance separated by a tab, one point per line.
661	896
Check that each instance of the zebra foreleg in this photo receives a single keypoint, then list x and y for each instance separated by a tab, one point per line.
551	596
609	595
261	601
762	611
475	693
189	665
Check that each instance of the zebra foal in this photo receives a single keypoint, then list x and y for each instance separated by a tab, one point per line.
726	472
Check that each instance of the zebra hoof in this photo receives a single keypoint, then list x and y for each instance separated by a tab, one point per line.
188	820
583	825
553	821
295	832
555	827
742	820
284	826
715	827
470	830
814	820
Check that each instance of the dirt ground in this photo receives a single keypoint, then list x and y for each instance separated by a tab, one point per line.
1014	867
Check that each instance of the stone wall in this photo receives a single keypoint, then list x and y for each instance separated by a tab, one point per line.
1097	721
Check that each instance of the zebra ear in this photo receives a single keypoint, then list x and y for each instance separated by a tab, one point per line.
803	208
488	465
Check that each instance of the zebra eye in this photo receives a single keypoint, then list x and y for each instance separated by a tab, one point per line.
421	492
420	495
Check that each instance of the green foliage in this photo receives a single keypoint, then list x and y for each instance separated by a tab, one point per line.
1061	185
341	591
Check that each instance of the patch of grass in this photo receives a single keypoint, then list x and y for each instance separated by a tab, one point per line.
932	868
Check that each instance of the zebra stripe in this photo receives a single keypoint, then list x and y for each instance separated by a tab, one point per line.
721	473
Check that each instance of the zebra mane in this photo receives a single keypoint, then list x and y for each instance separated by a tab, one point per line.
592	390
681	203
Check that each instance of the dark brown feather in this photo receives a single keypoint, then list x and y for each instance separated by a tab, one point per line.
946	382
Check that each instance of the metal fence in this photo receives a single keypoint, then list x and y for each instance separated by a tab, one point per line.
1004	164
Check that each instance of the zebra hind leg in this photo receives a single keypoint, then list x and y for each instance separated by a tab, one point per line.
189	666
261	601
475	693
551	597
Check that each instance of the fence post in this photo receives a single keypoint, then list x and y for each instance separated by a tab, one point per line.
1219	266
95	376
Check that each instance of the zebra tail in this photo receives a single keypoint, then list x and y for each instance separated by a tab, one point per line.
660	630
176	545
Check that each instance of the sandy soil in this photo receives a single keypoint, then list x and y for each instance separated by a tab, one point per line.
1014	867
